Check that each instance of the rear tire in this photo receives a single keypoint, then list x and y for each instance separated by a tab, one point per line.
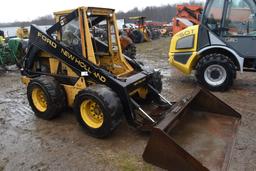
130	51
46	97
215	72
98	110
137	36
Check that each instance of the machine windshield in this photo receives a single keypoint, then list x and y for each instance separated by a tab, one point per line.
241	18
71	37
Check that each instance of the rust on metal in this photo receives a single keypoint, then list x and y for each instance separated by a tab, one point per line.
197	134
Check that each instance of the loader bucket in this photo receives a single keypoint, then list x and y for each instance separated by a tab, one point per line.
197	134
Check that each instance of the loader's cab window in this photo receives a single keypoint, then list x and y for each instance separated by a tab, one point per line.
103	35
213	15
70	36
241	18
113	38
99	33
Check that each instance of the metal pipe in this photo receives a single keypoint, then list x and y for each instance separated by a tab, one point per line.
142	111
160	95
151	119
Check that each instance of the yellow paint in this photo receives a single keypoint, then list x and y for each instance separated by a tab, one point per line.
142	92
119	56
115	62
25	80
146	35
60	13
92	114
70	72
22	33
39	99
100	11
188	67
185	68
44	54
54	64
88	39
72	91
2	40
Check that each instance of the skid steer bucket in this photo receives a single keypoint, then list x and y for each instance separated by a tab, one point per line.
198	134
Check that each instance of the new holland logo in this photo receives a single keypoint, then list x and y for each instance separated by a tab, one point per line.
83	65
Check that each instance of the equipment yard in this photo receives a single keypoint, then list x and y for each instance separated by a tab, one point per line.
30	143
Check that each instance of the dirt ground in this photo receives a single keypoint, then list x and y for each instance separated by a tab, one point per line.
29	143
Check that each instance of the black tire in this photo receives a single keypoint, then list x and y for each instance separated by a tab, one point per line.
130	51
137	36
110	106
54	94
156	83
157	34
154	34
218	60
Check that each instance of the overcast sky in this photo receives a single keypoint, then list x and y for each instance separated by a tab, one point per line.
26	10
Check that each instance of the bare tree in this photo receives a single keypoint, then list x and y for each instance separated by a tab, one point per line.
164	13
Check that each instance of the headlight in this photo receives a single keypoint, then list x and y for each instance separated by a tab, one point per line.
185	42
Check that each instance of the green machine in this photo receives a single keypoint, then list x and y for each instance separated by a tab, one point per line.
11	52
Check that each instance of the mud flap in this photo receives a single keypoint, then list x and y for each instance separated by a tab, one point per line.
198	134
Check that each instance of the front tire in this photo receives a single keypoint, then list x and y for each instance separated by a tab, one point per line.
216	72
46	97
98	110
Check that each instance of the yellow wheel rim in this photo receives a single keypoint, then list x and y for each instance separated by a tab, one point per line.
91	114
39	99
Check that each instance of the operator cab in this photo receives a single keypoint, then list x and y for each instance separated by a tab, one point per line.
234	21
93	34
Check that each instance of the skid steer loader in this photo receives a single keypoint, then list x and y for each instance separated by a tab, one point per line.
221	45
68	66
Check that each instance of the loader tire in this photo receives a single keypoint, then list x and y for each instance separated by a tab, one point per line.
98	110
46	97
216	72
130	51
137	36
156	83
